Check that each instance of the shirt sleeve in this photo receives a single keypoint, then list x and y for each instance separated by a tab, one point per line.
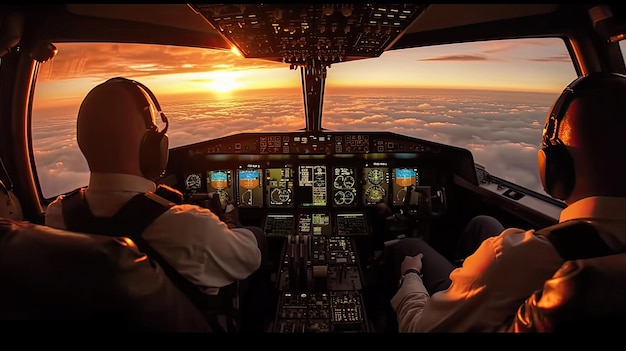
485	291
202	248
409	301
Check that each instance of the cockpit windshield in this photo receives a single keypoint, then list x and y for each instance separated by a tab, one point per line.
463	95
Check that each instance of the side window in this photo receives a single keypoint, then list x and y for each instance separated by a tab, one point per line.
205	93
489	97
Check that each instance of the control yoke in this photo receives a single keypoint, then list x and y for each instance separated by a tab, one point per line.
429	205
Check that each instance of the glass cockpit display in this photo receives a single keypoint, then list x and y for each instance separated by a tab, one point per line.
376	184
401	179
221	182
279	186
249	187
193	182
312	190
344	187
315	224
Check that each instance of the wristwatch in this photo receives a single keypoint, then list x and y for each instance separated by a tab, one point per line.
409	271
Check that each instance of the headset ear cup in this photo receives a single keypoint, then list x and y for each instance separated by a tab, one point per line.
153	154
556	170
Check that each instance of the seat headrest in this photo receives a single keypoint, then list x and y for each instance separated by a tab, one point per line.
49	274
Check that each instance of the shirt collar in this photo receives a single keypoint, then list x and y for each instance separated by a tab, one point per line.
120	182
595	207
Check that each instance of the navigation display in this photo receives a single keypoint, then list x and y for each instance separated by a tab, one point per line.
312	190
221	182
344	187
376	184
401	179
249	187
279	186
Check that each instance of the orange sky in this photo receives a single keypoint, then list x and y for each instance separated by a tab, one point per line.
535	65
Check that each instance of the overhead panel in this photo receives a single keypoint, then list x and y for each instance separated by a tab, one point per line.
328	33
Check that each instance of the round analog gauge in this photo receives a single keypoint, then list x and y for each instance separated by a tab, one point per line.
374	194
348	182
339	182
340	198
348	197
375	176
193	181
281	196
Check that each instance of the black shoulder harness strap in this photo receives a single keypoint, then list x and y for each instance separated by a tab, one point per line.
130	221
576	239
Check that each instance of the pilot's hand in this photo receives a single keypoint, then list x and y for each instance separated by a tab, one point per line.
411	262
230	216
214	204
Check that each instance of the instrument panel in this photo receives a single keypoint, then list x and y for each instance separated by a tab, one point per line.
315	185
315	195
325	183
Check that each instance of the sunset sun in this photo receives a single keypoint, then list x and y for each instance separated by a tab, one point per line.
223	82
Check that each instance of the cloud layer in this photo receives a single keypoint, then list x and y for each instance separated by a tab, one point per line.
501	129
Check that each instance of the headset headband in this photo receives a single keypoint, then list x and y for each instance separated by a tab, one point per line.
146	110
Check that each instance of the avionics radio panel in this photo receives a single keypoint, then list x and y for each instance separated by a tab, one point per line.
316	223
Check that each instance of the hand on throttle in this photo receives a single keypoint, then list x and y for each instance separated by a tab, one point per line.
411	262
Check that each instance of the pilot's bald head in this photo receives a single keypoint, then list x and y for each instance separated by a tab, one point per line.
594	130
110	128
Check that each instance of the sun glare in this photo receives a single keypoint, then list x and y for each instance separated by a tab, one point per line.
223	82
236	51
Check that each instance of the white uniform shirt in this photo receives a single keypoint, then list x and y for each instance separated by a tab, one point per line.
495	280
192	239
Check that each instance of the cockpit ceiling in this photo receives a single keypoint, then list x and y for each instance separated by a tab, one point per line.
295	34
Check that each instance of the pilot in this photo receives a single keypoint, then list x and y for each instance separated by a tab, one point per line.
581	162
126	154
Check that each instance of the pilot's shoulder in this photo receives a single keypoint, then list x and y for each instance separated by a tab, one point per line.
192	212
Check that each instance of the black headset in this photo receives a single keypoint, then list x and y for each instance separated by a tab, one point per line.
556	166
154	149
